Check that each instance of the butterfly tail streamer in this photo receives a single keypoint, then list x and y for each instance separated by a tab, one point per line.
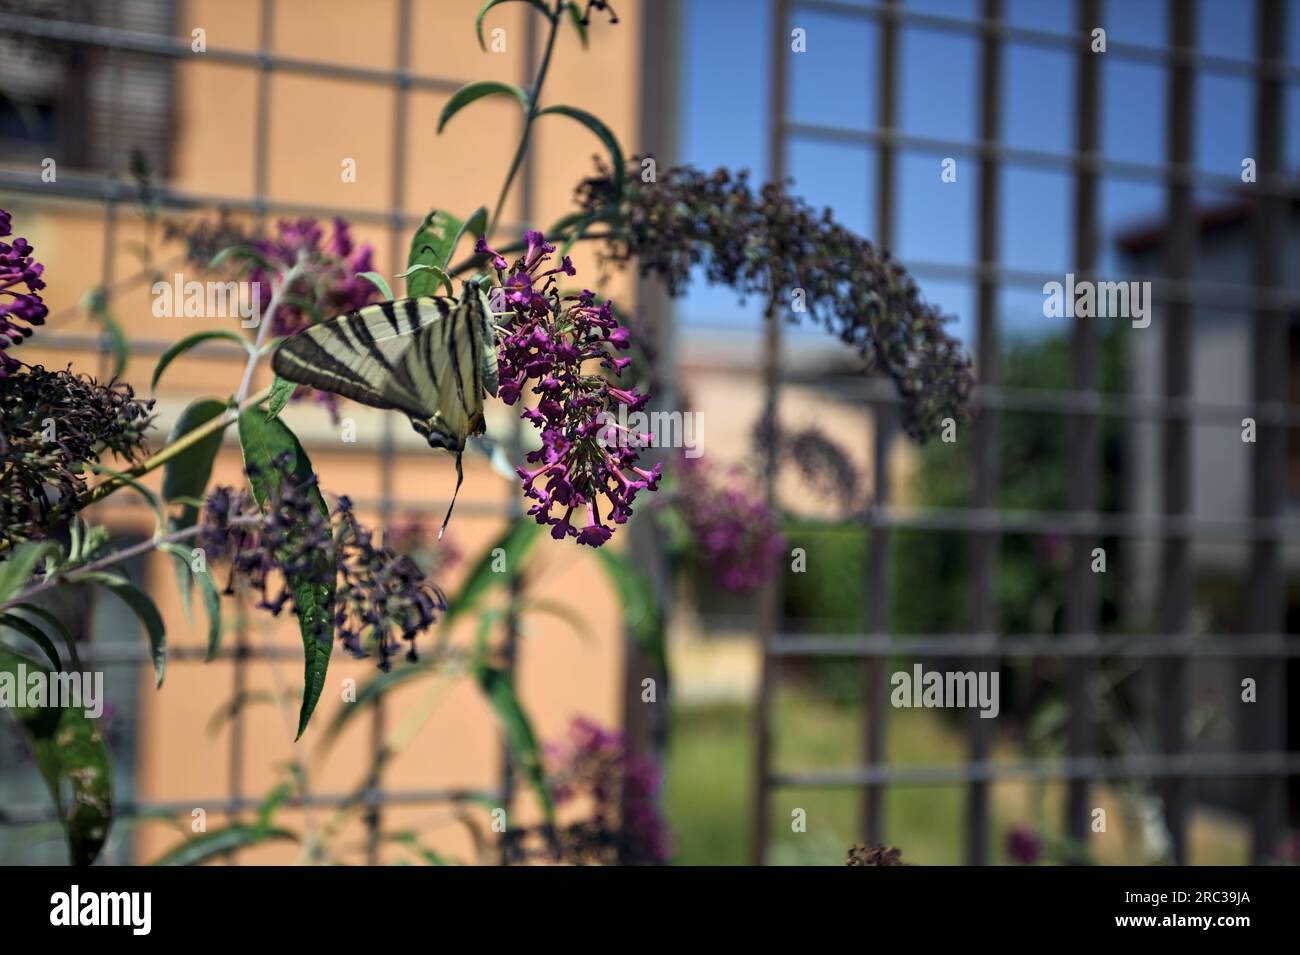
460	476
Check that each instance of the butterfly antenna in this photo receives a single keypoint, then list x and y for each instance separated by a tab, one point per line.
460	476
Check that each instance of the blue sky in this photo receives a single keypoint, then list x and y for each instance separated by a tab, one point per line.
725	116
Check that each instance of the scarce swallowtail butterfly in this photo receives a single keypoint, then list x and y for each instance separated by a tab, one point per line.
430	358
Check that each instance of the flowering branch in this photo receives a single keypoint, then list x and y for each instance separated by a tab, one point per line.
171	451
83	571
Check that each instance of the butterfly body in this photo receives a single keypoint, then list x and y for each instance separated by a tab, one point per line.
431	358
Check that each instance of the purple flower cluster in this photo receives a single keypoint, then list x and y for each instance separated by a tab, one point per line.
377	592
20	284
549	338
330	283
1024	845
736	536
621	788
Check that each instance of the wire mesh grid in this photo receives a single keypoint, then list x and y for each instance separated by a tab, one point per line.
1178	288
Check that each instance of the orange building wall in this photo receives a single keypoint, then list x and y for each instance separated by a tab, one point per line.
450	737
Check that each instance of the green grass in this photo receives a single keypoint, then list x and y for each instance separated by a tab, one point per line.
708	791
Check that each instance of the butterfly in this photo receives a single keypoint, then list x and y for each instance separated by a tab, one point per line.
431	358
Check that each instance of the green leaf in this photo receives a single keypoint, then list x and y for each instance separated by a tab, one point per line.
499	688
374	688
641	612
96	305
242	701
187	475
242	252
514	544
537	5
471	92
73	760
218	842
380	283
602	132
128	480
144	609
432	247
57	625
33	633
263	440
411	840
185	479
281	391
575	17
181	567
476	224
188	342
439	275
212	606
211	599
18	568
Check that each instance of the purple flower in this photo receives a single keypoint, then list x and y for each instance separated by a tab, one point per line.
737	537
623	789
1024	845
379	594
21	307
586	477
330	283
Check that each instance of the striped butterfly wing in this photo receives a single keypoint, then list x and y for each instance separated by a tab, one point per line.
362	355
453	361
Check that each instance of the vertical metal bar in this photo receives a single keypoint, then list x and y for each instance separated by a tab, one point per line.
262	132
261	128
1176	572
387	447
1267	596
883	426
984	544
1081	597
645	723
510	644
770	600
113	67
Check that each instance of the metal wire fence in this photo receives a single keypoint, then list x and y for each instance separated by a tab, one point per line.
1264	760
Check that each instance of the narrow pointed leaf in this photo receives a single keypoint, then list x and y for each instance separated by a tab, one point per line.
33	633
281	391
602	132
537	5
499	688
189	342
72	758
508	551
379	282
472	92
17	569
147	612
210	845
58	626
263	441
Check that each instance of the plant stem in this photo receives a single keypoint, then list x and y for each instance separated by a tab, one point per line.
221	422
532	114
264	329
109	560
191	438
